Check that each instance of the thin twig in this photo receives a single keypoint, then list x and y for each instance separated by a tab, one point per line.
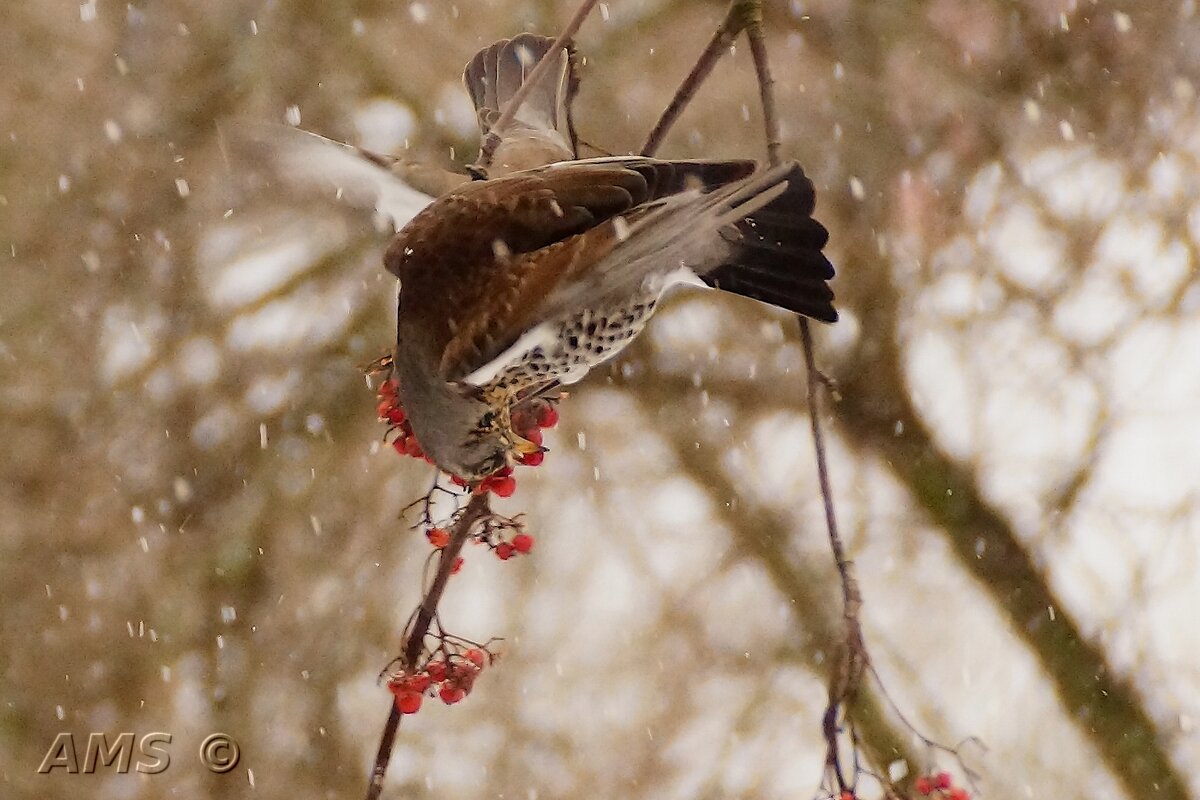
752	19
509	112
848	670
721	39
460	531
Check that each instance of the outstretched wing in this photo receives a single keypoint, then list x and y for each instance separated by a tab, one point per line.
305	162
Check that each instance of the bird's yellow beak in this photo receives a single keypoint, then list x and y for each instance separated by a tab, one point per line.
524	446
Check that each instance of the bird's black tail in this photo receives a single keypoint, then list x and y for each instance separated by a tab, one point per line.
776	254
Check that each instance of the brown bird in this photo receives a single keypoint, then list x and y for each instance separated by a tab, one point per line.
527	273
551	265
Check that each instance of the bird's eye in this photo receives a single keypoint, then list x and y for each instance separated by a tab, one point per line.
497	461
490	465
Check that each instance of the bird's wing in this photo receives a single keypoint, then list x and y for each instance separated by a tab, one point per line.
503	253
303	161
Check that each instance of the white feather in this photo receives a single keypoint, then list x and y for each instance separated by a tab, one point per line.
544	335
302	160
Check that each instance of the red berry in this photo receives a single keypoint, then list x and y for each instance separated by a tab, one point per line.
959	794
534	436
438	537
457	481
451	694
476	657
521	421
395	415
503	487
547	416
436	671
522	543
387	389
504	551
408	702
456	566
401	445
922	785
383	408
408	684
533	459
943	780
465	680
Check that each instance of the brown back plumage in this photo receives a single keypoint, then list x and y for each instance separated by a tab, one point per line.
493	259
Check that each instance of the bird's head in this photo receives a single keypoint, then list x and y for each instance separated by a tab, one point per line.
462	433
491	445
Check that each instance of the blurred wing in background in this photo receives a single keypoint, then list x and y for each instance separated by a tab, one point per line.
299	161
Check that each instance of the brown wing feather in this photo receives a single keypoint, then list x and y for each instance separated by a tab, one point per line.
499	319
475	265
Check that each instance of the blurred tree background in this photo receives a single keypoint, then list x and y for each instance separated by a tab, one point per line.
201	530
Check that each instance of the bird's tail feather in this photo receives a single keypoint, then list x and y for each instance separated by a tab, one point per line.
496	72
775	252
753	236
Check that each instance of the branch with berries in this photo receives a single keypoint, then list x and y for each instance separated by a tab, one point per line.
439	664
435	662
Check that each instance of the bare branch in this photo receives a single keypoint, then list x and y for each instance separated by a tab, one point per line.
721	39
847	671
752	19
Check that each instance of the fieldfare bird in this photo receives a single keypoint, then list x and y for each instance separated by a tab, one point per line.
552	265
528	272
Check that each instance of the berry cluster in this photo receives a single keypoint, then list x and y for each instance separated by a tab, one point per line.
392	412
528	421
520	545
495	533
504	536
940	787
449	676
500	483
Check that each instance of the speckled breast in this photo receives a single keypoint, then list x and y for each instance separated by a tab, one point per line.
583	341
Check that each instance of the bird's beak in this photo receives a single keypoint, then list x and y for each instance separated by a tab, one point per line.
524	446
